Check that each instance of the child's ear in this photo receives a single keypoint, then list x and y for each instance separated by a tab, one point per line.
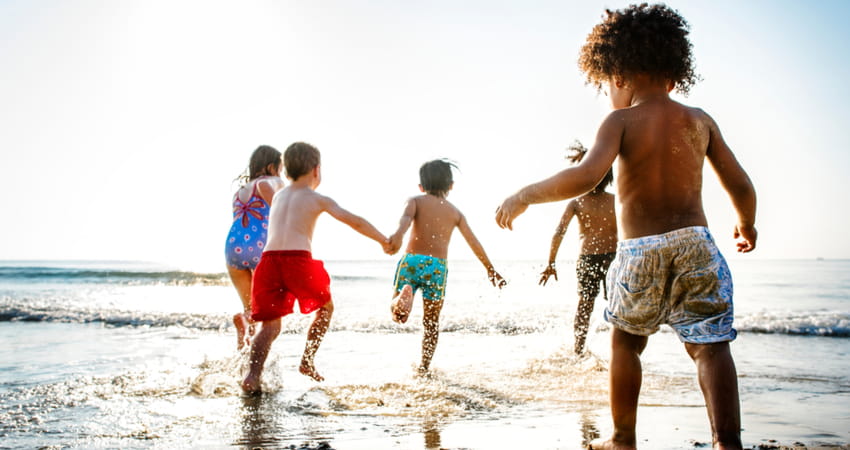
421	189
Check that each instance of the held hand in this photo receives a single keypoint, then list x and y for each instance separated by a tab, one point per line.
388	247
549	271
748	236
510	209
394	243
496	279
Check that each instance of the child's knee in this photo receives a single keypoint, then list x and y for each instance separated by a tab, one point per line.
707	351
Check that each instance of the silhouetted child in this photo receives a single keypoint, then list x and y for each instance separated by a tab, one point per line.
598	237
247	235
424	265
287	270
668	269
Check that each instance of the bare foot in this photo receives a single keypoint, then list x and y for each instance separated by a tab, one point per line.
599	444
402	304
309	370
243	330
251	385
423	372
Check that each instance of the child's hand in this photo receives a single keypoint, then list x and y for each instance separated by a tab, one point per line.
388	247
395	242
510	209
749	234
548	272
495	278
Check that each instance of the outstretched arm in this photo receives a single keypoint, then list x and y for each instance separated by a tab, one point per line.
478	249
403	225
569	213
356	222
737	184
570	182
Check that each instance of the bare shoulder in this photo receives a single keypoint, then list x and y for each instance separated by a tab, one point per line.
440	208
619	117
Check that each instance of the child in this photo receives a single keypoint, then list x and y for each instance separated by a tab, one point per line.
598	236
287	270
424	264
247	235
668	269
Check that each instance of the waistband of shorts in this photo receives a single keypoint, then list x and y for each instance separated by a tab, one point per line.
283	253
682	236
439	260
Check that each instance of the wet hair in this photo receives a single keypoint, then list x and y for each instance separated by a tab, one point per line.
259	163
640	39
576	152
300	158
436	177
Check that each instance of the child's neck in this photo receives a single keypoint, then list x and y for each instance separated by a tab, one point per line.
304	182
645	89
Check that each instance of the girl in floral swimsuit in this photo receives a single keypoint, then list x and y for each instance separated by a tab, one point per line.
247	235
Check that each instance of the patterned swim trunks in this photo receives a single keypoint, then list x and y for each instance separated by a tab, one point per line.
422	271
678	278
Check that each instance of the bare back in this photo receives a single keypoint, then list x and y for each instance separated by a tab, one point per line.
434	220
597	224
660	165
292	218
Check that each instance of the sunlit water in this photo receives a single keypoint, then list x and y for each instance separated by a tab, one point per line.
128	355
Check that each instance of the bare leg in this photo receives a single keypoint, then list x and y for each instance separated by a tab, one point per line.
314	339
589	276
431	325
625	376
718	381
581	322
260	346
401	305
241	279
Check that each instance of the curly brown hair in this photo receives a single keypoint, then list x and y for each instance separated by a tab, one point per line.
640	39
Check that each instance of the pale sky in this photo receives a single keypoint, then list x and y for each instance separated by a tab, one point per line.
123	123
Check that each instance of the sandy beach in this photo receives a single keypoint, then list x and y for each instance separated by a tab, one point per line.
140	359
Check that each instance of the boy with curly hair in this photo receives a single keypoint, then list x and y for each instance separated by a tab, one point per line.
668	269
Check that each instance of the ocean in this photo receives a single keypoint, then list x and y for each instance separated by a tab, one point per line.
112	354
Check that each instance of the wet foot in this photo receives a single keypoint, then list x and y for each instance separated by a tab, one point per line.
402	304
251	386
309	370
579	350
243	330
609	444
423	372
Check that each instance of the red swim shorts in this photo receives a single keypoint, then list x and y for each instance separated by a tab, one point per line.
282	276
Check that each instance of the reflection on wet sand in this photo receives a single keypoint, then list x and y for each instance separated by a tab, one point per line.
431	431
589	432
262	426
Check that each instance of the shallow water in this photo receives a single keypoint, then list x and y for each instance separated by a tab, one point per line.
124	360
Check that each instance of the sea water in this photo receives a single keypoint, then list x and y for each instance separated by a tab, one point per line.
129	355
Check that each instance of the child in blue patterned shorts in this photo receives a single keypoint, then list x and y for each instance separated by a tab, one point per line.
424	265
668	268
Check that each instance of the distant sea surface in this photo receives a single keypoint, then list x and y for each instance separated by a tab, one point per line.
105	354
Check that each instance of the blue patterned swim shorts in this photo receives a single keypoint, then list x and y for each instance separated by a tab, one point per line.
678	278
422	271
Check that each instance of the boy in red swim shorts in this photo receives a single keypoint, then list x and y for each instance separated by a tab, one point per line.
287	272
